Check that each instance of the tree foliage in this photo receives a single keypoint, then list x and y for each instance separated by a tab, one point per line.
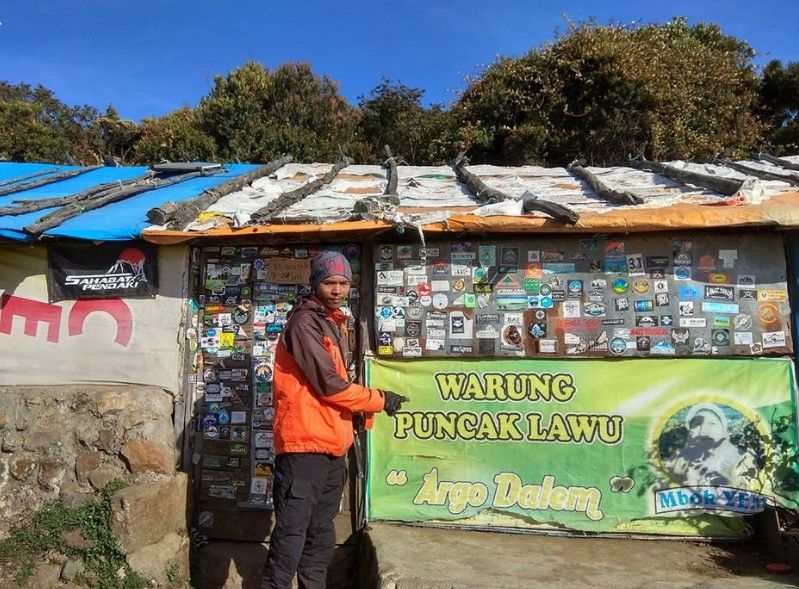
604	92
779	106
393	115
174	137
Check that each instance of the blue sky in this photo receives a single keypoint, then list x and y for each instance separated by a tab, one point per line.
148	57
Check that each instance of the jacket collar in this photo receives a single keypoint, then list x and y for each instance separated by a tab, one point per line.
313	305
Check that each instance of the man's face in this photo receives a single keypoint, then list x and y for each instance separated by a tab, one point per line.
333	291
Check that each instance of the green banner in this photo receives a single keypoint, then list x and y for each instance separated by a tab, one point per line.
677	447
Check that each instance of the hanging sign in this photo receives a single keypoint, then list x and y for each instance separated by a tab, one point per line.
671	446
109	270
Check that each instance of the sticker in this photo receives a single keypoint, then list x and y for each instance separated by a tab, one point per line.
460	270
620	285
391	277
617	345
413	328
404	252
534	256
742	322
720	337
547	346
440	301
622	304
412	352
595	309
559	268
693	322
728	258
546	302
747	295
571	308
774	296
385	350
661	286
773	339
614	249
719	293
643	306
713	307
386	252
434	344
707	263
724	322
666	320
747	281
718	278
510	256
487	255
662	299
768	313
461	326
682	273
635	264
511	338
263	372
742	338
461	348
681	335
663	348
614	266
689	292
681	252
646	321
575	288
643	343
469	300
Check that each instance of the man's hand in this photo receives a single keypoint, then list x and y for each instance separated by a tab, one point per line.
393	402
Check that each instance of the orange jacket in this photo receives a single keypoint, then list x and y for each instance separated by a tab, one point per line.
312	395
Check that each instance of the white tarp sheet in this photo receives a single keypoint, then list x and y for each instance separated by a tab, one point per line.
88	341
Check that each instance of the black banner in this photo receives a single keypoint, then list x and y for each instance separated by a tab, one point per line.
109	270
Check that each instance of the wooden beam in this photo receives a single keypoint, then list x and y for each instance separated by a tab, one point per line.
28	176
65	213
757	173
624	197
286	199
31	206
530	202
179	214
48	180
777	161
725	186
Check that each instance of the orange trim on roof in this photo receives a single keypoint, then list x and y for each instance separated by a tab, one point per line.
780	211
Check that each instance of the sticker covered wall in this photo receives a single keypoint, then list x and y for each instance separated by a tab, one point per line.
722	295
674	447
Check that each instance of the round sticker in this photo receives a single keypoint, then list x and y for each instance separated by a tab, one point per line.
458	284
424	289
620	286
640	286
546	302
575	286
742	322
240	316
211	432
617	345
545	290
425	300
768	313
440	301
413	329
682	273
223	417
386	312
540	315
263	373
511	335
480	274
413	296
351	250
209	375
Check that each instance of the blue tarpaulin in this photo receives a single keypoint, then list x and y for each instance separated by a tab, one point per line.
118	221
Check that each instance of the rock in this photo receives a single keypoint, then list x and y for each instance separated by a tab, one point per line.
143	455
45	576
22	424
153	561
75	496
144	514
115	401
71	569
76	539
21	468
100	477
51	473
107	440
81	401
86	462
3	419
43	436
12	442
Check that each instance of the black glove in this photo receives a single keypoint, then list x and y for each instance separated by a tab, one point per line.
393	402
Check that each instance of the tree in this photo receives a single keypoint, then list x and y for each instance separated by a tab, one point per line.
393	115
174	137
36	126
779	106
254	114
118	137
606	92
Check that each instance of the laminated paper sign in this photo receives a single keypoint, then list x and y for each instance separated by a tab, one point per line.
288	271
681	447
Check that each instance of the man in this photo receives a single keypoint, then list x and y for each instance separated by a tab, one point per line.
314	404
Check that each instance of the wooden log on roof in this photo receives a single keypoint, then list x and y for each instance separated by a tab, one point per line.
624	197
180	214
286	199
725	186
30	206
758	173
530	202
65	213
392	179
44	172
777	161
48	180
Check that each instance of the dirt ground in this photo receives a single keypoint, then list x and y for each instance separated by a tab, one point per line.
404	557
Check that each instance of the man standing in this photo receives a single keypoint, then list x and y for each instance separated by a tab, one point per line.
314	403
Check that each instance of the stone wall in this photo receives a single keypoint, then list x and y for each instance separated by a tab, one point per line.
66	443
